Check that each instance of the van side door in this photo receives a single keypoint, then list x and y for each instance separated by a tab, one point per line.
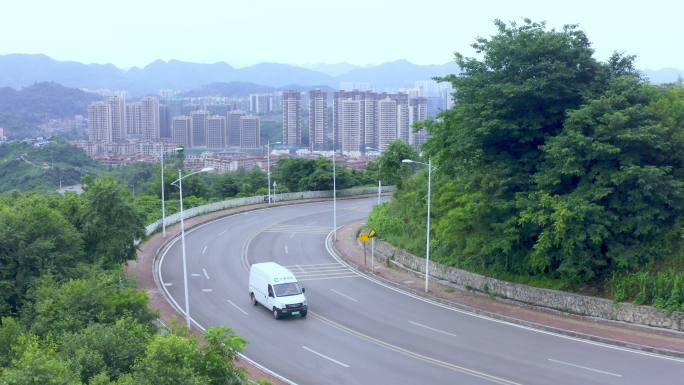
270	299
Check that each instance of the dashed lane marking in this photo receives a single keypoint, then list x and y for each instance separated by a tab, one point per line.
237	307
585	368
344	295
326	357
432	329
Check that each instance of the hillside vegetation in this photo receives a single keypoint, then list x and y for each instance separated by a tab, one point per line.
24	167
554	169
69	315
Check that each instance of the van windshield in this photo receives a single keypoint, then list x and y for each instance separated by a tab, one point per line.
285	289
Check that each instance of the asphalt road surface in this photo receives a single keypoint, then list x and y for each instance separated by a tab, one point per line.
361	332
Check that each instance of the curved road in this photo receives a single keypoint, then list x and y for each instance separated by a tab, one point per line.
361	332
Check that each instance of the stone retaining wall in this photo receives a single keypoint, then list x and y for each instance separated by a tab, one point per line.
554	299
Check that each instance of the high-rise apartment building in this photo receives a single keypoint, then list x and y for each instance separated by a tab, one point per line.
387	122
216	131
181	130
99	122
351	124
133	119
260	103
149	117
376	126
318	119
250	131
165	117
233	127
403	126
418	108
117	107
336	119
199	128
370	134
292	130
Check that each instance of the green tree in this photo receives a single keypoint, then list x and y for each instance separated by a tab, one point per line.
509	103
109	349
111	224
34	239
226	186
392	170
10	332
171	360
611	190
221	350
73	305
37	365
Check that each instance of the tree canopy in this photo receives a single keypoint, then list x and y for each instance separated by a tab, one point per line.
551	163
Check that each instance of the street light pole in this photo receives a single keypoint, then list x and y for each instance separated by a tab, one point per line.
268	167
427	242
334	187
185	265
161	155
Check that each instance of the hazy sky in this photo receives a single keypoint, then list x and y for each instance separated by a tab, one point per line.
135	32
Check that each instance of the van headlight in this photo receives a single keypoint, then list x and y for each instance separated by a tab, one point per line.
304	303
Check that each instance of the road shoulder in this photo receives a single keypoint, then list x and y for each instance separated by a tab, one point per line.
621	334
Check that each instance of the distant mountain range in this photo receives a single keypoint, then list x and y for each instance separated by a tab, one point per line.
45	100
20	70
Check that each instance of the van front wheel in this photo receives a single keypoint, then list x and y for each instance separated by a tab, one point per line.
276	313
253	298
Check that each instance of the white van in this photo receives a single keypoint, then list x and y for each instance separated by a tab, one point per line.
277	289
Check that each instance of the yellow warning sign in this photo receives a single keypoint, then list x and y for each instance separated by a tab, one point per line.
372	234
363	237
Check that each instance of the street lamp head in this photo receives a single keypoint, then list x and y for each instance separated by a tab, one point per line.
178	149
207	169
407	161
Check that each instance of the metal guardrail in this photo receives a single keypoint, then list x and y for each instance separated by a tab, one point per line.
246	201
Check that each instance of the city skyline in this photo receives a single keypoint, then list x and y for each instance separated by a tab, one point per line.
447	27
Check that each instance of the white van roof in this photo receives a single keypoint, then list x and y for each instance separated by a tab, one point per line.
274	272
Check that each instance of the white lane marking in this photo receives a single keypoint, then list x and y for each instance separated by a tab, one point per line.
196	275
237	307
433	329
168	284
326	357
204	250
316	264
207	290
181	311
205	273
287	251
223	232
343	295
585	368
325	278
326	270
336	257
292	235
299	267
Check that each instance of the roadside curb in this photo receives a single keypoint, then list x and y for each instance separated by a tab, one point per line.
202	220
365	272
